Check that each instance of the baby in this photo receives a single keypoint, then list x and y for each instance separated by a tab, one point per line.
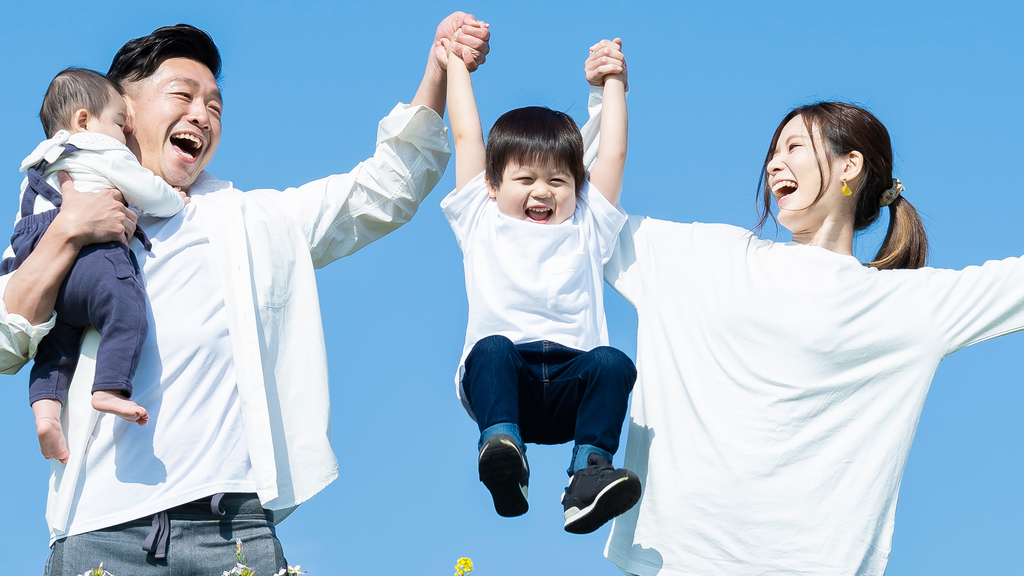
85	118
535	233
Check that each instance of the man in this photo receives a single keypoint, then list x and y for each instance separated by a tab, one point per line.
233	372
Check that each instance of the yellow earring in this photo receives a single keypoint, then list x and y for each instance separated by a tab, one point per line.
846	189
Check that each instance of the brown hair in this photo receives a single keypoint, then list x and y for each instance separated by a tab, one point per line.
72	90
846	128
527	136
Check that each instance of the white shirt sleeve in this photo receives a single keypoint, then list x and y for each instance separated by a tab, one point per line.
464	209
602	220
141	188
622	272
113	162
18	338
978	302
592	129
342	213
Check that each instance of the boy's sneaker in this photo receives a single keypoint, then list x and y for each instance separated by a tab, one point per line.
503	469
597	494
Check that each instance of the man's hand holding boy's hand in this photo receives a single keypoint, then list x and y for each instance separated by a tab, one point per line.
606	59
465	36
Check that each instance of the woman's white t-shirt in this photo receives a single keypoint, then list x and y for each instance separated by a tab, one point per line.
779	389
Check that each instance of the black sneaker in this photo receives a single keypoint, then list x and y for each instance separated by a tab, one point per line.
597	494
503	469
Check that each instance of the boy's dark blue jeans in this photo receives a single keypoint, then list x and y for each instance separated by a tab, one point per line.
551	393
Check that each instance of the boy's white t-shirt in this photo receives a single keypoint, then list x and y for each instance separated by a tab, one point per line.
779	389
529	281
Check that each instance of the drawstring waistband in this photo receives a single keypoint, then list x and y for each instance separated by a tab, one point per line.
160	530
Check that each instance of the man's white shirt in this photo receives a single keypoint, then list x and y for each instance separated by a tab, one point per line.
264	245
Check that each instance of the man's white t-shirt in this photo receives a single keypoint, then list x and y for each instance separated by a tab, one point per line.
529	281
779	389
194	444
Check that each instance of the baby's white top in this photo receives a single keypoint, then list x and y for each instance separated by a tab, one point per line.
102	162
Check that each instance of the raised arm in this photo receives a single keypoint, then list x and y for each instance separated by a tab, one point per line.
471	45
341	214
465	120
606	173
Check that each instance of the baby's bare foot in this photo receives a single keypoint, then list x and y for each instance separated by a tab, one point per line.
51	439
116	404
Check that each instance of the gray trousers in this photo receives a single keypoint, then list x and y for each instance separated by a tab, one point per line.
201	544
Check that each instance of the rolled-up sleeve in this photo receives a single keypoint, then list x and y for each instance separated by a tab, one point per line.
340	214
18	338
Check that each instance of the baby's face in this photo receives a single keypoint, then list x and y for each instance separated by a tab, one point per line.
112	120
544	193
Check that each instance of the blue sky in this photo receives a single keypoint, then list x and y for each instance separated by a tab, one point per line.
305	84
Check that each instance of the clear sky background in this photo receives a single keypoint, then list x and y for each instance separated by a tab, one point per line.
305	84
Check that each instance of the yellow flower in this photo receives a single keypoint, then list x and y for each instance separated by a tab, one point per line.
463	566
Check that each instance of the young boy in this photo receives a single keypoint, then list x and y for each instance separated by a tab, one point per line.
84	116
535	236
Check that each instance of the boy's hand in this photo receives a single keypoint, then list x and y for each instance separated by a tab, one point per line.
606	59
472	43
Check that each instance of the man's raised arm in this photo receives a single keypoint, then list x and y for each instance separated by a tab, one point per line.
340	214
471	46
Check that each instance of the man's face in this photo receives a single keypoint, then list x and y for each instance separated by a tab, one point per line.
174	124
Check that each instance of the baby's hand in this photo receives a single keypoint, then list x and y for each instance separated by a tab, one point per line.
184	194
606	59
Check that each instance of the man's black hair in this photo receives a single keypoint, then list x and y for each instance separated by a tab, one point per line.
527	136
139	58
72	90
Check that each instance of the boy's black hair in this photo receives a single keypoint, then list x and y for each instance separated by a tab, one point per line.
529	135
71	90
139	59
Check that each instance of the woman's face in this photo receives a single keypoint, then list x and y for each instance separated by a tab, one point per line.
794	175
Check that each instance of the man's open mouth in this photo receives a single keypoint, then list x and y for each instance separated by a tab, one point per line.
187	144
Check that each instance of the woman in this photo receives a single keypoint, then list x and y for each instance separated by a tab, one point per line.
780	384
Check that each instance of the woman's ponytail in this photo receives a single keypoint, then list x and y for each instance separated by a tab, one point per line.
905	244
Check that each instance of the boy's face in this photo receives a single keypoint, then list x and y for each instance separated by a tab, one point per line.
111	121
544	193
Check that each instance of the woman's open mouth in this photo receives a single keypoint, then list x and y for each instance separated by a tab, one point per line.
783	188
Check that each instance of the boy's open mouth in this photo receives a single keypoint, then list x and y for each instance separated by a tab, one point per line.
539	214
186	144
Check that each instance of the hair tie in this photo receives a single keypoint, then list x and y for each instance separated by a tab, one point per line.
890	195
